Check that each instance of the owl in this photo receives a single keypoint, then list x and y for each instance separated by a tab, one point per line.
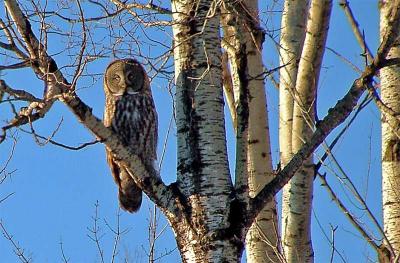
131	113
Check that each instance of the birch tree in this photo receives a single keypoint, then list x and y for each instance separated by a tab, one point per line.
390	94
243	41
214	213
297	198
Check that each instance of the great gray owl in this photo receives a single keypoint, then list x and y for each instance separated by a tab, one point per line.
131	113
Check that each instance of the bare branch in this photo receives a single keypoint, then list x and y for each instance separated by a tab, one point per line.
3	169
6	197
23	64
386	110
19	252
348	214
335	116
333	230
94	232
344	4
129	7
36	109
11	46
19	94
64	258
80	67
45	67
165	197
117	235
62	145
354	67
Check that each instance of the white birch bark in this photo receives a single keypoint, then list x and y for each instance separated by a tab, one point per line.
202	171
291	42
202	206
243	41
296	227
293	32
390	95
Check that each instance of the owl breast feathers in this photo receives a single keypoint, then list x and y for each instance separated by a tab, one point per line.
131	113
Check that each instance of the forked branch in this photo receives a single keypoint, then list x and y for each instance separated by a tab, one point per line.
334	118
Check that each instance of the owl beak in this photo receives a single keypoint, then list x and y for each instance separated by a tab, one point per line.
118	97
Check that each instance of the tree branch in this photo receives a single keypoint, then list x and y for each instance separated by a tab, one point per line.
146	177
335	117
344	4
167	198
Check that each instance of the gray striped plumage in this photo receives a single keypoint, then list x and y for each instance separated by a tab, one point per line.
130	111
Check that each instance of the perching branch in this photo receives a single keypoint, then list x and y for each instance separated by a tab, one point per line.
58	88
146	177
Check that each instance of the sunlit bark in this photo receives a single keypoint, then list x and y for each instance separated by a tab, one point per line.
243	40
202	176
291	42
390	95
209	215
296	227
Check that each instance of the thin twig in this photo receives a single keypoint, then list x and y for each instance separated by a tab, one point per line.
326	236
94	232
333	230
7	196
347	213
62	145
79	67
3	169
348	62
19	252
38	142
117	235
63	257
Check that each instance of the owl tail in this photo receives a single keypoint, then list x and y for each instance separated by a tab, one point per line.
130	195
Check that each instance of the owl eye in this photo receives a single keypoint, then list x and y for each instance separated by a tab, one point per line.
131	76
116	77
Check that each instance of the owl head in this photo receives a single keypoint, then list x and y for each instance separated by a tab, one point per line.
125	76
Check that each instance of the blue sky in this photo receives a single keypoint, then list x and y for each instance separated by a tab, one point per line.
55	190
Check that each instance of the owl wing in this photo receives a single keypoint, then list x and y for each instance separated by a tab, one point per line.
115	170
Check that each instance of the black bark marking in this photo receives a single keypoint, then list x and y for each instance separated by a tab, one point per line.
392	151
253	141
193	165
192	23
243	106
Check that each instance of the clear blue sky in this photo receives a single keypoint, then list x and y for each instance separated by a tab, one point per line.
55	190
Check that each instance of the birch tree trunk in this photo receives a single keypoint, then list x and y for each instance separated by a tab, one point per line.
390	95
291	42
293	32
243	40
209	215
296	220
203	176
